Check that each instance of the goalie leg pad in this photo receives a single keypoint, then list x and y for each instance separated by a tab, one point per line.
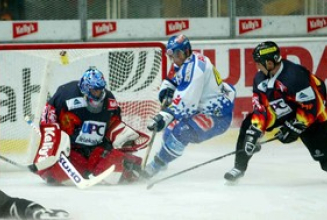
127	165
55	174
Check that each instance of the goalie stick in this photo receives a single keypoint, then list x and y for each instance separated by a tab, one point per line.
149	186
69	169
66	166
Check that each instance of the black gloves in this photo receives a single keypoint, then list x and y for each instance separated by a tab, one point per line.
160	121
251	139
290	131
166	93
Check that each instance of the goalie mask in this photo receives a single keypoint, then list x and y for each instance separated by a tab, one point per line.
92	86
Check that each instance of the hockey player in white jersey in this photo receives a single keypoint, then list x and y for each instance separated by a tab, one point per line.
198	105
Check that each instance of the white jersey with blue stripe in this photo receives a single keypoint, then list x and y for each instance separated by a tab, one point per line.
199	88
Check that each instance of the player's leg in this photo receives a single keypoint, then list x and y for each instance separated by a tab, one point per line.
315	139
241	158
127	165
179	134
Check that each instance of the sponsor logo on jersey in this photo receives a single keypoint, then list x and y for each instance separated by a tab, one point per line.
247	25
280	107
21	29
74	103
92	133
315	23
305	95
103	28
176	26
263	85
112	104
177	100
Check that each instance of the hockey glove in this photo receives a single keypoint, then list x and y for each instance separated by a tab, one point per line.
251	140
160	121
290	131
166	93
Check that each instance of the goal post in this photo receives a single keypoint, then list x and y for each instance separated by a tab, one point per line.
31	73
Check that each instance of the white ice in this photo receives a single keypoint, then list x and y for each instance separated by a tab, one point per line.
282	182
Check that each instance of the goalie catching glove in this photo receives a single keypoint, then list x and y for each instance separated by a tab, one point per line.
160	121
290	131
125	138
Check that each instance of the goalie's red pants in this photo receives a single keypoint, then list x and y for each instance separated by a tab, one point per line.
99	161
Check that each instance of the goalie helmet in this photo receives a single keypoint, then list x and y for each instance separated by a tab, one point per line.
92	85
178	43
265	51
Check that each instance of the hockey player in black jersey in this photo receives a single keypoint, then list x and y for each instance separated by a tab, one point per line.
17	208
89	113
288	96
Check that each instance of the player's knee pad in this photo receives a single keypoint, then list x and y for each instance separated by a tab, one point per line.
171	148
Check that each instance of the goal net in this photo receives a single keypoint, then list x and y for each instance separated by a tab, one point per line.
31	73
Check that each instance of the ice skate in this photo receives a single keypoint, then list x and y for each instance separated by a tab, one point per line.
233	176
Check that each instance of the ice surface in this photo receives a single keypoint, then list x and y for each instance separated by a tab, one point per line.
282	182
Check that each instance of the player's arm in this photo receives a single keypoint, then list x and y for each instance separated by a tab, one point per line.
17	208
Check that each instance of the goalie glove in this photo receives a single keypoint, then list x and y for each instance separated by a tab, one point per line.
290	131
166	93
251	140
160	121
119	133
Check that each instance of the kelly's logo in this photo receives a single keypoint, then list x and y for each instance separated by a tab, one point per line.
176	26
25	28
247	25
315	23
102	28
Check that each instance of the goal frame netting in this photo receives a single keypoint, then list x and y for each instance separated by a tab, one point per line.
32	141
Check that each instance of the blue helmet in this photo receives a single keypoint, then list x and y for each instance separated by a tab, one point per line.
92	79
178	43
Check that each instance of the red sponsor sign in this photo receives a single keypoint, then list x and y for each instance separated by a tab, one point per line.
247	25
102	28
176	26
24	28
315	23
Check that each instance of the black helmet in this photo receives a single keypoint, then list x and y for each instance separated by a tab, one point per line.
266	51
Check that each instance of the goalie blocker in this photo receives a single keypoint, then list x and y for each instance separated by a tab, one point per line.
122	140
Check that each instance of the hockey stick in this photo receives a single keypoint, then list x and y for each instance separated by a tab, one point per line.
29	167
67	167
148	150
202	164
